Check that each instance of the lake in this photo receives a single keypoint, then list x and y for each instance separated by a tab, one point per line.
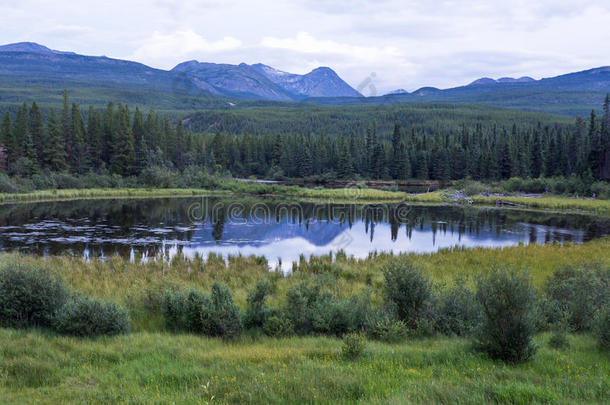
279	230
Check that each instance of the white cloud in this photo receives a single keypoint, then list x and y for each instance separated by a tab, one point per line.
181	45
306	43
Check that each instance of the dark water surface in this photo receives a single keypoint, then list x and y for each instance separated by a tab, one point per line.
278	230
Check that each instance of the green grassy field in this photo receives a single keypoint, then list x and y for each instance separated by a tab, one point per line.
161	368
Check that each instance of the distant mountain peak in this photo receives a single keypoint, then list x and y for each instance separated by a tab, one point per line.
30	47
488	80
396	92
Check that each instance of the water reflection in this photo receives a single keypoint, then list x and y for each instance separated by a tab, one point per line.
278	230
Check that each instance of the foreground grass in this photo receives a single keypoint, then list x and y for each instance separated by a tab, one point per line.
162	368
152	365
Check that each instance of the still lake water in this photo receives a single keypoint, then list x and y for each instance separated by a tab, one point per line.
279	230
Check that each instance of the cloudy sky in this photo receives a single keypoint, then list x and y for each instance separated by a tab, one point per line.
394	43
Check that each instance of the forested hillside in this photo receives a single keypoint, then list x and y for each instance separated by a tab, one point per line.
427	142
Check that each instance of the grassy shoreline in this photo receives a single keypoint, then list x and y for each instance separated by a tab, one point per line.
346	195
152	365
134	284
278	191
547	202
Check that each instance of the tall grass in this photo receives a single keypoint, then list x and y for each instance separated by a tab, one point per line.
168	368
139	285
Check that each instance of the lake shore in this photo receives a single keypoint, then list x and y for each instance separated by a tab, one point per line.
360	195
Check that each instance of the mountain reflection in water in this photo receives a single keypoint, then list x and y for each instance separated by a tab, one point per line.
277	230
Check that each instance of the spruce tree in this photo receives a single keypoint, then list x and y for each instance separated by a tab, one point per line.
79	161
37	129
123	154
54	152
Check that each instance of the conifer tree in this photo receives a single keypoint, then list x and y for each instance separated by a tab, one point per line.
54	152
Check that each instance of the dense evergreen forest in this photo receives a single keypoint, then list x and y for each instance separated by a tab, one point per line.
118	141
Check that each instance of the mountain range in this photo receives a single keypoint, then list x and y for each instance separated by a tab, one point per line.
31	60
28	69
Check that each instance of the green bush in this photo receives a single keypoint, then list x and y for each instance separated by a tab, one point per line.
406	292
8	184
277	325
559	337
474	188
353	346
29	297
214	315
86	317
257	310
508	325
300	306
174	310
389	330
225	320
459	312
578	292
601	327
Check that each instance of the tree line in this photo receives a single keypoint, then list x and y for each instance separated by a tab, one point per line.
117	141
110	140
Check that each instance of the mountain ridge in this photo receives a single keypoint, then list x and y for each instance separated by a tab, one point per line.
192	85
29	59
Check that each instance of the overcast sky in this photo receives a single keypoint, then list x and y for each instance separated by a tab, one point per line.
399	43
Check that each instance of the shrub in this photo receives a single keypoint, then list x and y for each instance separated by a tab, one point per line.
601	189
213	315
459	312
29	297
300	305
474	188
559	338
329	315
580	292
198	313
601	327
174	310
388	330
277	325
406	292
353	346
82	316
225	319
257	310
508	325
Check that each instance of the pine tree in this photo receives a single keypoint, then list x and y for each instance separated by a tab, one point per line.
123	154
345	168
37	130
54	152
6	141
397	163
536	168
66	125
21	133
79	161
